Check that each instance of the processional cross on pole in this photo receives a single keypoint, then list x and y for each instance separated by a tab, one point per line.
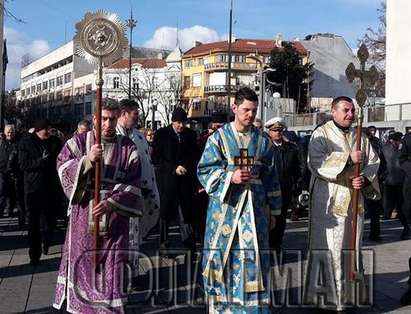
367	79
100	39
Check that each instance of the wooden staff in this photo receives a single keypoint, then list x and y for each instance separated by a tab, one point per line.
98	163
355	200
366	77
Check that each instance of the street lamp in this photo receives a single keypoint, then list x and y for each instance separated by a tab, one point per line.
153	114
131	23
262	73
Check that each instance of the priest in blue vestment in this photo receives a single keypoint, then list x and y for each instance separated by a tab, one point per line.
237	172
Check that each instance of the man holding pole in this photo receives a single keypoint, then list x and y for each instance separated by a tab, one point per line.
332	158
93	282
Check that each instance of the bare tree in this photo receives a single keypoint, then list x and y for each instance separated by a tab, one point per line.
151	88
375	40
169	97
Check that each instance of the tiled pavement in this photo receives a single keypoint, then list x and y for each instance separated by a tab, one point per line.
31	289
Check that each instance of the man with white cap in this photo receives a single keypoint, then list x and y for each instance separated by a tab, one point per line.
289	169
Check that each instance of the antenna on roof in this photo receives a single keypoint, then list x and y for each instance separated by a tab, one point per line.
177	35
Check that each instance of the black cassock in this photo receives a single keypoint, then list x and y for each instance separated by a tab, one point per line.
169	151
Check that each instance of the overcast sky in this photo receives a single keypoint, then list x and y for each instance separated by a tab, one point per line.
49	23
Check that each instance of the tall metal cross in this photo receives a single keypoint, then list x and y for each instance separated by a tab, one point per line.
367	77
244	161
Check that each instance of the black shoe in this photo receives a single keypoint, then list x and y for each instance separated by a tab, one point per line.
405	235
375	238
406	298
34	261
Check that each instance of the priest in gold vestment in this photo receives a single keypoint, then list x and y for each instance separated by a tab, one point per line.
331	158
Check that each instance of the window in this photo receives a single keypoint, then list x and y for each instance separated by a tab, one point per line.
33	89
51	83
200	61
222	58
187	81
88	89
135	84
45	84
60	80
23	93
67	78
27	91
188	63
238	59
51	96
116	82
196	79
59	95
38	88
88	108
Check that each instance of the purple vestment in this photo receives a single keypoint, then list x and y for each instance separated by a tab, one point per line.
85	290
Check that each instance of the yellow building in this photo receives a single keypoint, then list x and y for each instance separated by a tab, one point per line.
205	70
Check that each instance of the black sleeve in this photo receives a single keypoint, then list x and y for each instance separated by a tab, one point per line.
26	161
158	158
405	155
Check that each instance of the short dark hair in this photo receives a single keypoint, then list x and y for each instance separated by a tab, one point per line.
110	104
128	105
372	127
336	100
85	123
245	93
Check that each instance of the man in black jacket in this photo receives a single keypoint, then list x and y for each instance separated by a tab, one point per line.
405	162
174	157
289	168
37	158
8	170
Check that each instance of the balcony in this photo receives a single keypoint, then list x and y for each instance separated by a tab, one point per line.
223	66
217	89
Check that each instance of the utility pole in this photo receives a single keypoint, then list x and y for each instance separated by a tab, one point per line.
131	23
2	66
228	79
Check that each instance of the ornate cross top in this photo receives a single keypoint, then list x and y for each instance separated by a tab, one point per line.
367	77
244	161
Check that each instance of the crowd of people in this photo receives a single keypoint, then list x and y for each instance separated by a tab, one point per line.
231	189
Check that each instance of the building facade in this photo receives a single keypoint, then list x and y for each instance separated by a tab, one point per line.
61	86
205	72
155	85
58	86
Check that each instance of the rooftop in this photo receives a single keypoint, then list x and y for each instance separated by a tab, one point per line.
261	46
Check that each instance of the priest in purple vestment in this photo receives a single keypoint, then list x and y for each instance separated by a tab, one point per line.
85	289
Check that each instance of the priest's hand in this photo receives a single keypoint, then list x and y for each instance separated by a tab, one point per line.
104	207
358	182
241	176
95	153
180	171
356	157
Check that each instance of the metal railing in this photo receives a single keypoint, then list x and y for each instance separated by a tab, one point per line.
219	88
234	66
374	113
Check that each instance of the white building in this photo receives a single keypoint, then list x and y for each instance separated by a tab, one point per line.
154	82
330	55
58	85
398	67
61	86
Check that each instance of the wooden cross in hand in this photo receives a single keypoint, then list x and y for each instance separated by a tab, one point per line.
244	161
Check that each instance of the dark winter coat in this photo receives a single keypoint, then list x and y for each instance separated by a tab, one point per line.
168	153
